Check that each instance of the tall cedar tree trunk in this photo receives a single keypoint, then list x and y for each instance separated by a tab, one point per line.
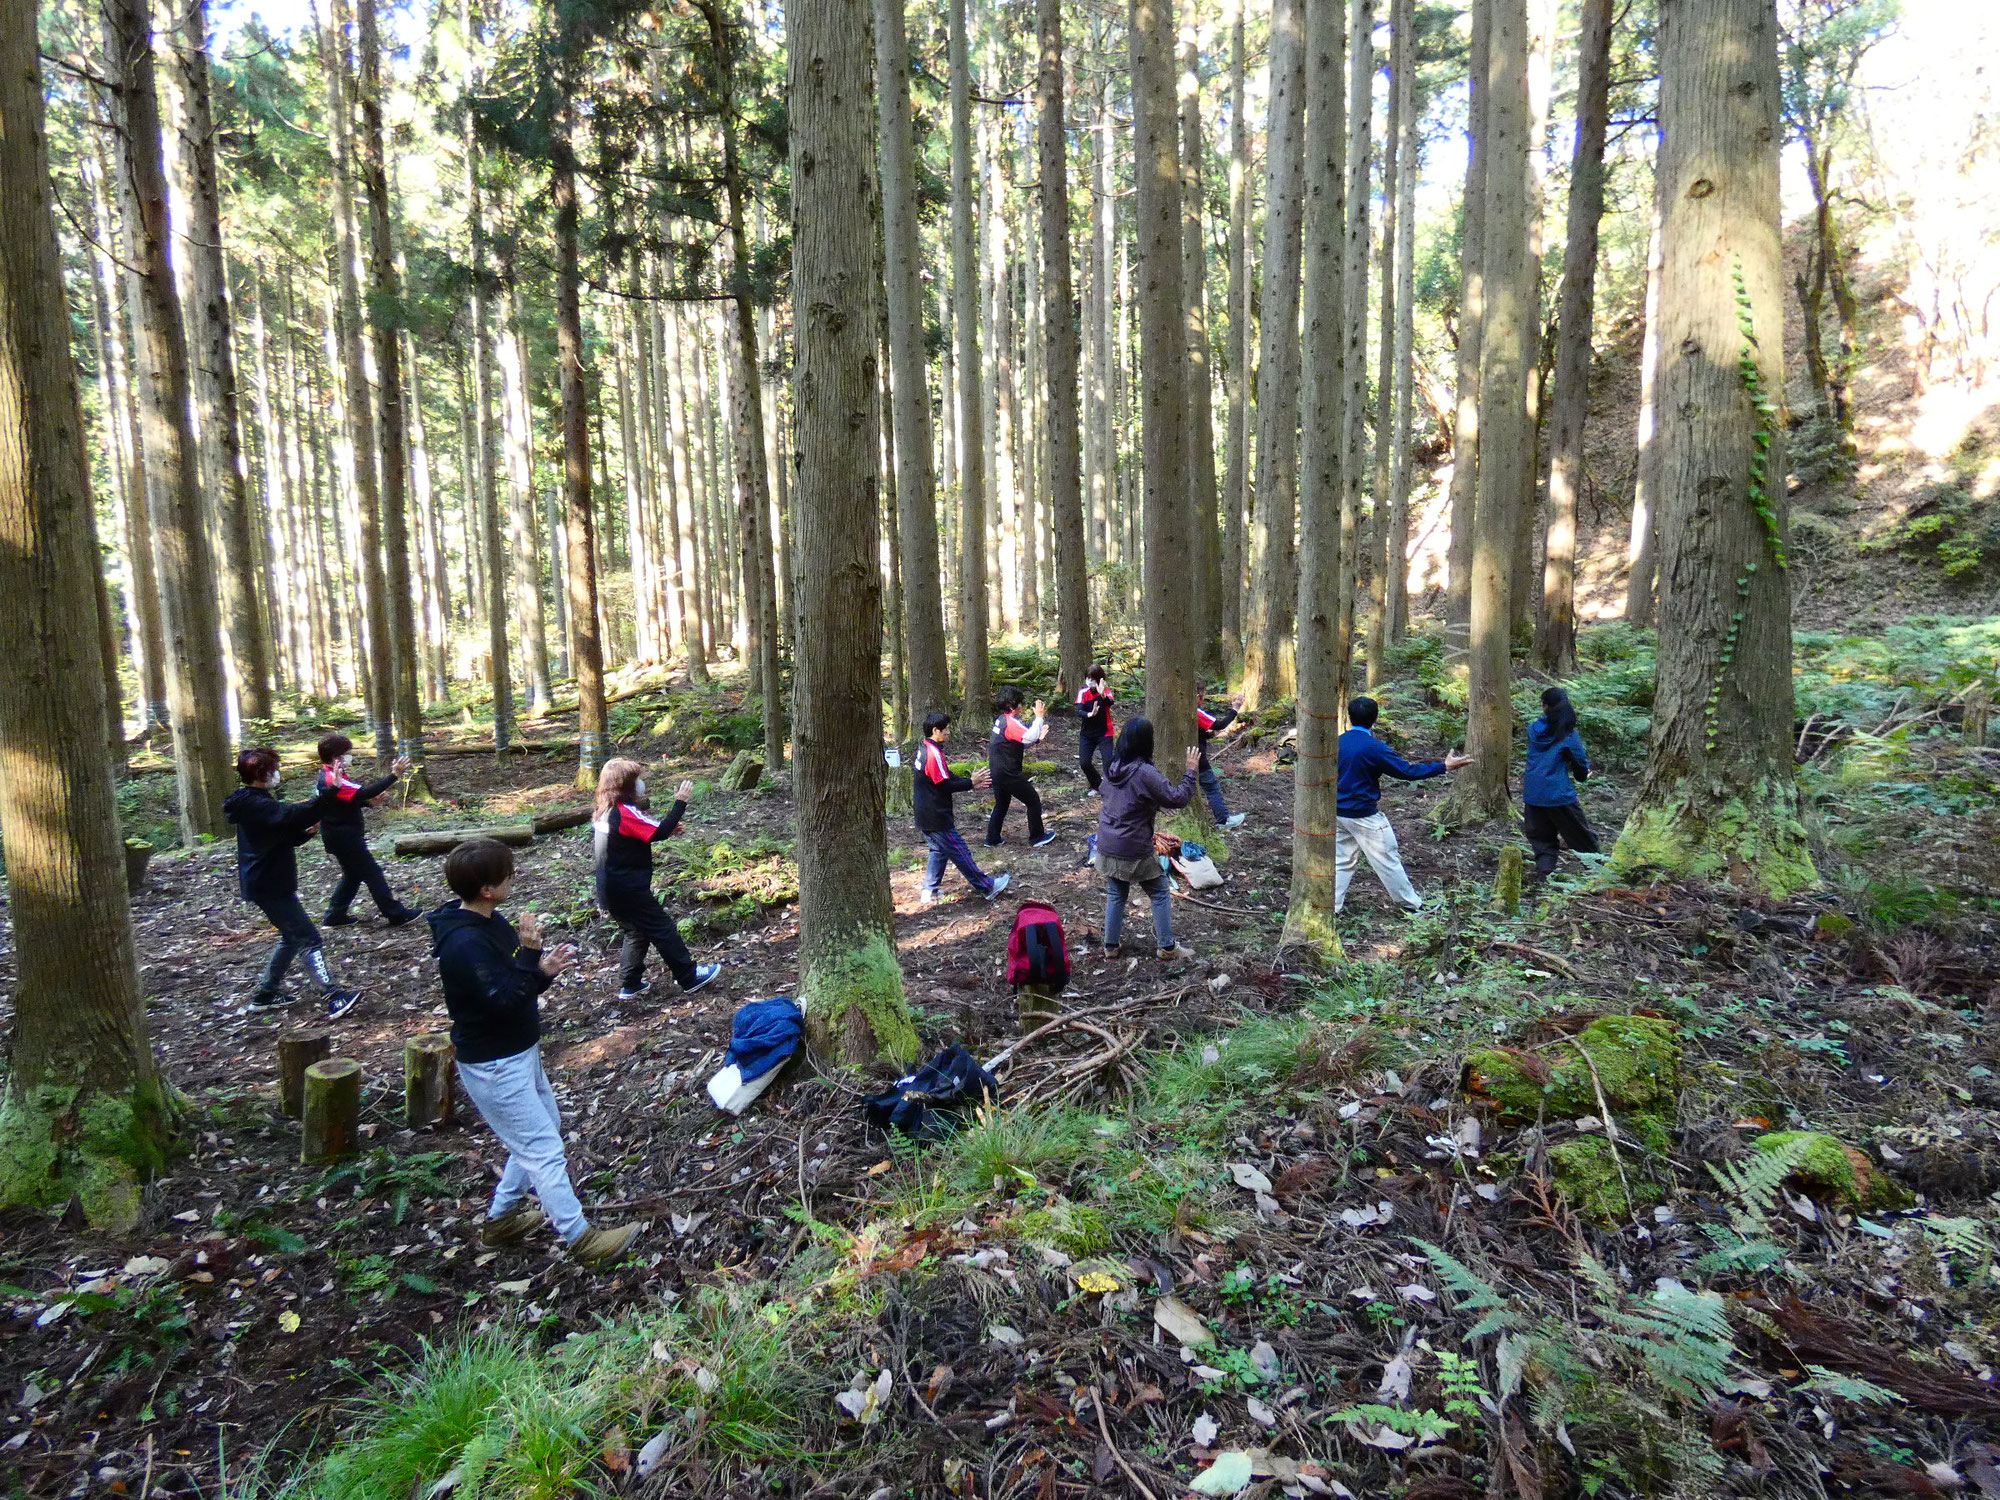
1268	646
492	533
1640	553
1207	553
850	984
1171	641
747	400
1383	562
1323	641
385	300
685	533
1464	493
975	669
1236	368
586	648
1555	646
1720	800
1397	550
83	1115
368	463
213	350
1059	334
916	478
1506	425
1360	107
524	530
191	627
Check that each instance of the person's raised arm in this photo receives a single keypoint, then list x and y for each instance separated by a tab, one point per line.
1578	758
1039	730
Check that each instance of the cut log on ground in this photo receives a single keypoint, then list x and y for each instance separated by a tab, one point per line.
414	845
296	1053
744	772
429	1092
557	822
332	1112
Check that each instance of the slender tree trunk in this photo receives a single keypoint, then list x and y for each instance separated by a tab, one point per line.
1639	550
1465	436
527	566
850	985
191	627
687	556
1506	423
1172	680
975	671
1059	360
212	347
1268	661
1556	646
1397	550
1236	366
114	706
1104	474
1522	595
1207	551
586	648
1719	801
84	1119
916	485
1383	561
1324	640
1360	111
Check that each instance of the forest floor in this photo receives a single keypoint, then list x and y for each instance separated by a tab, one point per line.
1233	1220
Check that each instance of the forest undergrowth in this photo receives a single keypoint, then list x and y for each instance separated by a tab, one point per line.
1624	1192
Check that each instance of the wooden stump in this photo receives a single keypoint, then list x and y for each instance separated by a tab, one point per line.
1507	884
429	1095
296	1053
138	854
411	845
744	772
1978	719
332	1110
1034	1004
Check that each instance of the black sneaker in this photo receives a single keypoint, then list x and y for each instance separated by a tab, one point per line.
992	843
402	916
645	988
269	1000
340	1002
338	919
703	973
1047	838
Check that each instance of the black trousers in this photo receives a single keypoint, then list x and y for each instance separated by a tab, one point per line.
349	848
1006	791
296	935
630	902
1544	826
1086	754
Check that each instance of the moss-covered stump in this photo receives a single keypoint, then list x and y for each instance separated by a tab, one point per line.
1754	841
855	1009
1635	1061
899	797
1586	1173
1835	1172
744	772
1193	825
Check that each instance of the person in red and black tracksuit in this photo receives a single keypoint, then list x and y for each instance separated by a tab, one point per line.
1004	753
1093	713
624	833
344	834
268	832
1206	724
934	787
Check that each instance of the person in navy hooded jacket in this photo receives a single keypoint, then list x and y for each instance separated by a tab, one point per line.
1550	814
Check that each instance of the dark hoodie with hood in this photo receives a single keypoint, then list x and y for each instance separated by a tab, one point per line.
267	831
1134	791
490	983
1553	756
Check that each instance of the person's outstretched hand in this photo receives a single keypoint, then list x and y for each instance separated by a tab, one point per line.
528	928
982	778
684	791
558	959
1041	708
1453	761
1193	757
402	765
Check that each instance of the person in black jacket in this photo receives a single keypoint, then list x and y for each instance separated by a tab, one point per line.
267	872
492	975
935	786
1206	724
345	835
624	832
1005	764
1094	726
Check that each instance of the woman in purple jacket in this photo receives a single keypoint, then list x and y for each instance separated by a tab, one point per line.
1134	792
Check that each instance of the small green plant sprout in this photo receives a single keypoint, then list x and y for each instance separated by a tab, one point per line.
1465	1393
1960	1239
1425	1426
1754	1182
1849	1387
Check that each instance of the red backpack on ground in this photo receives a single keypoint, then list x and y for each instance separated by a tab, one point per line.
1037	951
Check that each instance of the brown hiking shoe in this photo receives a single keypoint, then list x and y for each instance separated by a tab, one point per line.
596	1248
515	1225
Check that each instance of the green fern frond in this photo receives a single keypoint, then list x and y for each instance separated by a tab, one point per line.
1753	1182
1736	1252
1481	1297
1850	1387
1961	1237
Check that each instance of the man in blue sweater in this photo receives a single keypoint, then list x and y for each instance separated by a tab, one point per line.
1363	828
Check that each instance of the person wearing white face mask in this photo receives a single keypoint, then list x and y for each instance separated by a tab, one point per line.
624	833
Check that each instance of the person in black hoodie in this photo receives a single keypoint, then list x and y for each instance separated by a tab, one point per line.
492	976
1094	726
935	786
345	836
1005	765
267	872
624	833
1207	724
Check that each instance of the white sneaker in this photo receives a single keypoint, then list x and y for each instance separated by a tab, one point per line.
1236	820
1000	883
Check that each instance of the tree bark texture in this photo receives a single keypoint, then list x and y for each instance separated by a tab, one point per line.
1640	556
1719	800
850	984
975	670
1360	109
1059	331
1556	644
83	1115
1207	539
1464	493
586	646
1236	368
1382	564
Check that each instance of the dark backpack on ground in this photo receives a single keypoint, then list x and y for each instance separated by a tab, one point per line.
1037	951
925	1105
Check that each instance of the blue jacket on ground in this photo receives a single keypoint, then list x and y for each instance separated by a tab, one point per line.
1552	758
1364	761
763	1035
